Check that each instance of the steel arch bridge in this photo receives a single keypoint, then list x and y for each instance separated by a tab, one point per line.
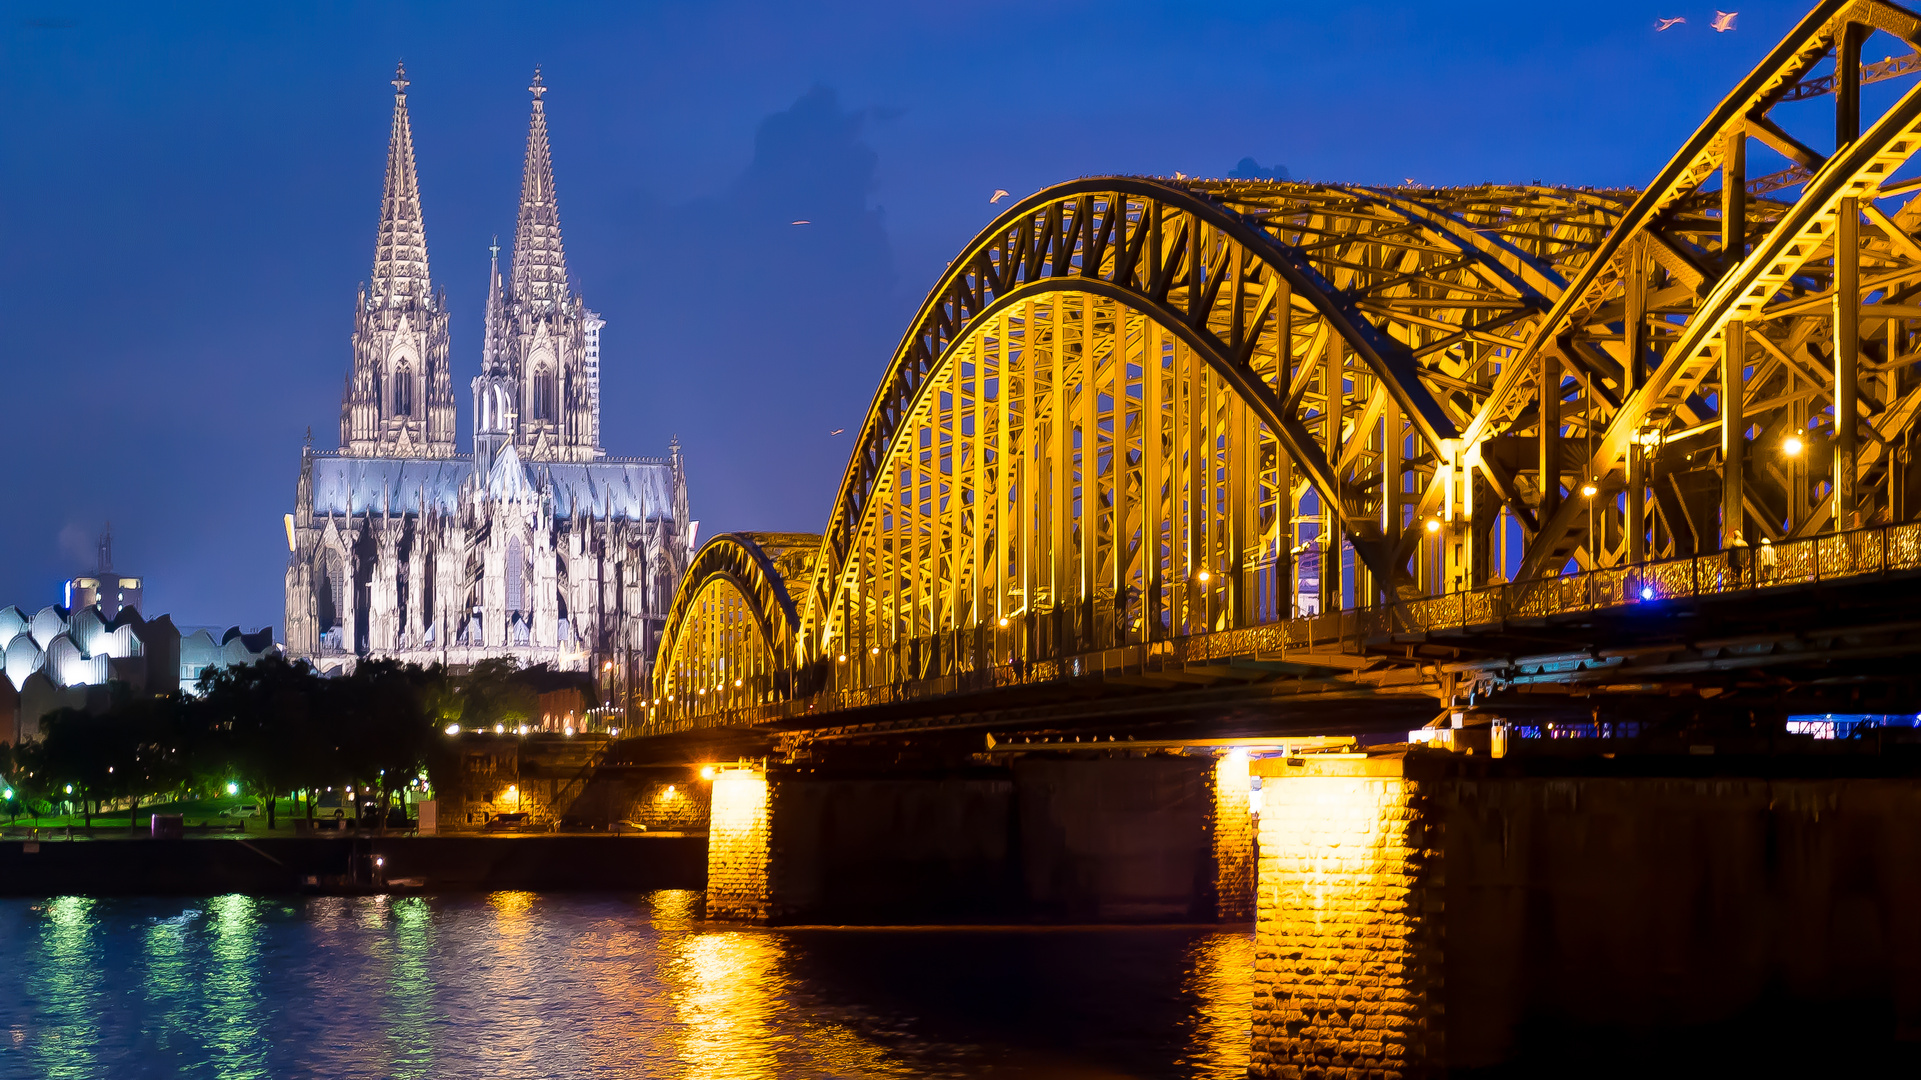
1138	411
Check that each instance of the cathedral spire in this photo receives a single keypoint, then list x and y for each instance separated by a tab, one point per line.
540	264
400	249
493	357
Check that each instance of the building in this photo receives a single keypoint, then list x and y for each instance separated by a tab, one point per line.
63	657
533	545
103	588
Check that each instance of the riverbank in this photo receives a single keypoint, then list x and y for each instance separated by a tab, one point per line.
286	864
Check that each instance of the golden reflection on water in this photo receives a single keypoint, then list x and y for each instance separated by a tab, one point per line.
1220	980
742	1017
725	985
511	910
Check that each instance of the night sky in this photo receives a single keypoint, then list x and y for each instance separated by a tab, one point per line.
188	197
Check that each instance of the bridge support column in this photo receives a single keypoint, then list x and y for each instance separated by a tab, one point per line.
1234	842
740	854
1348	963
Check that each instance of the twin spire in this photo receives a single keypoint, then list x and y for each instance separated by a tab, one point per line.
400	247
400	274
540	263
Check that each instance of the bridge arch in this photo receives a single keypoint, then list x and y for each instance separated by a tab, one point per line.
732	637
1410	299
1136	408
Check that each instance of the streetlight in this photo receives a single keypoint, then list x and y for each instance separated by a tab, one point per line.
233	788
1589	490
1433	525
1792	446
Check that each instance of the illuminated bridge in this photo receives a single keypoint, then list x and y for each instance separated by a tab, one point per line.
1189	506
1386	450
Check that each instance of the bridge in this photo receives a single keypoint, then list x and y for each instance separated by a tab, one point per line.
1380	450
1439	517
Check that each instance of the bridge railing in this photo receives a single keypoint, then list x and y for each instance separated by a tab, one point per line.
1855	553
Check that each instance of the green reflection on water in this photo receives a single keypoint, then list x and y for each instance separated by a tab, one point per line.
168	983
235	1039
410	990
68	982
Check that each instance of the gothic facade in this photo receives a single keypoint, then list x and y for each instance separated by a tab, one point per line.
534	544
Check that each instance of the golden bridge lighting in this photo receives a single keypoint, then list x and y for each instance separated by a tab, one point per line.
1433	525
1792	446
1588	489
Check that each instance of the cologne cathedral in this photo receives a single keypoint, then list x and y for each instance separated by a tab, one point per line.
534	544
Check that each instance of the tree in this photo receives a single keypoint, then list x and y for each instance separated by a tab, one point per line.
80	750
263	725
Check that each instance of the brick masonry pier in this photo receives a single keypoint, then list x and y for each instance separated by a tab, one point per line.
1423	913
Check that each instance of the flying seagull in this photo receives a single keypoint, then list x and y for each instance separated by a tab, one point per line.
1180	176
835	432
1723	21
1664	24
802	221
999	194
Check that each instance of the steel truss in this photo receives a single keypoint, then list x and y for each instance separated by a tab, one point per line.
1137	409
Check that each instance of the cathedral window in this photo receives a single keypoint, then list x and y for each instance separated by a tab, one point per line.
544	395
403	392
516	576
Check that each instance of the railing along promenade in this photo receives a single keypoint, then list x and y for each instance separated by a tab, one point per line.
1829	556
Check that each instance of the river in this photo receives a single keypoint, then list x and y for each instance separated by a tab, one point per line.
526	985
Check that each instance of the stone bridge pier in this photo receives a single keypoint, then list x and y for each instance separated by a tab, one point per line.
1059	836
1425	912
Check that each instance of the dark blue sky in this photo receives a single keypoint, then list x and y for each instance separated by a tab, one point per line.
188	197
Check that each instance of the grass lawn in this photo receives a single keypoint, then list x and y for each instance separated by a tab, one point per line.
196	811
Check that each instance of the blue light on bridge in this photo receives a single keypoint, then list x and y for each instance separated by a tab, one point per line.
1846	725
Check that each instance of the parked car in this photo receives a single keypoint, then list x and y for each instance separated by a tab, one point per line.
245	811
501	822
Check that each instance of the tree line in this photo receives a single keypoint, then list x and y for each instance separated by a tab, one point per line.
273	728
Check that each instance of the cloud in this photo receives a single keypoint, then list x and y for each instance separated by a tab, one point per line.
77	545
1249	169
763	335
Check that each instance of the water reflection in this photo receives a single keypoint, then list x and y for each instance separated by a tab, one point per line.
168	985
232	1021
725	985
1221	981
525	985
65	983
410	990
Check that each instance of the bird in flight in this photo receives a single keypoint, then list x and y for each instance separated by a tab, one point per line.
1408	180
835	432
1664	24
999	194
1180	176
803	221
1723	21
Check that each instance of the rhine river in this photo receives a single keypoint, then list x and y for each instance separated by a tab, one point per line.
527	985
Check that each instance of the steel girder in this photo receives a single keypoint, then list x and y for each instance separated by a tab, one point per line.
1419	294
1704	332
